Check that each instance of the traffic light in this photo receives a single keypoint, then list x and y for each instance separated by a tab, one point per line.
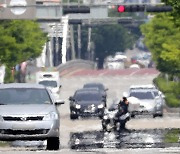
131	8
74	21
75	9
143	8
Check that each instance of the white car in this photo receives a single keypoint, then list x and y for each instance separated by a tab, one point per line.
149	102
134	66
28	112
50	80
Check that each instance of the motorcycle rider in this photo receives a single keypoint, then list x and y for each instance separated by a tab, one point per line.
123	109
124	103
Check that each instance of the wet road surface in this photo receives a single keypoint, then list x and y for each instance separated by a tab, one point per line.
148	138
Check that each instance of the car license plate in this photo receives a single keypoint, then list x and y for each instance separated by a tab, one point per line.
23	127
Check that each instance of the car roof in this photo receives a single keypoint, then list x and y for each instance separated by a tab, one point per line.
90	89
146	86
21	85
93	83
141	90
87	90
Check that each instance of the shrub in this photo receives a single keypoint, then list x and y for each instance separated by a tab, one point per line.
170	89
171	100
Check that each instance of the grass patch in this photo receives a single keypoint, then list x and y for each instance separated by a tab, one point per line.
172	136
3	144
170	89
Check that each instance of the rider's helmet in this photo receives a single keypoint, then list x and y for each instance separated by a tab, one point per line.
125	95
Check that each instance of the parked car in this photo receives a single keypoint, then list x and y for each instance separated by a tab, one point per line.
86	103
100	86
29	112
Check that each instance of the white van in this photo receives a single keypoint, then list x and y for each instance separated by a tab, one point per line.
50	80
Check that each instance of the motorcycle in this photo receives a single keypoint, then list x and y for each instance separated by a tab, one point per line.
114	120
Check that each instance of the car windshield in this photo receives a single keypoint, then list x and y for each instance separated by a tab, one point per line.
142	95
24	96
94	86
88	97
48	83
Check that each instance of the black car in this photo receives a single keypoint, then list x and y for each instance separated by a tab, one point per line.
100	86
86	103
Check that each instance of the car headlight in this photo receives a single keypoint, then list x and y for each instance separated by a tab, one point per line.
77	106
158	104
51	116
101	106
105	117
1	118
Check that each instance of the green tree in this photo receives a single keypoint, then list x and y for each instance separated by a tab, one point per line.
162	37
19	41
110	39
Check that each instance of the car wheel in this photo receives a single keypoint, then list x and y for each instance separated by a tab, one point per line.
154	115
73	116
132	116
161	115
53	143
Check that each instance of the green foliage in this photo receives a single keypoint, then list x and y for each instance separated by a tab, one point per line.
110	39
172	136
4	144
176	10
171	100
170	89
19	41
162	37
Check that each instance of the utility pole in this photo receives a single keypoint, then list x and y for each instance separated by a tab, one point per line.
73	56
89	42
57	46
79	41
79	38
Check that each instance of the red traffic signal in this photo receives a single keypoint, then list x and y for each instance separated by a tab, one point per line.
121	8
131	8
143	8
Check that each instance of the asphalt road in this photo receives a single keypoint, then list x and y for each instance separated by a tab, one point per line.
116	84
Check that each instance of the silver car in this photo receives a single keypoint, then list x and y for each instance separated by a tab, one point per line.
29	112
149	103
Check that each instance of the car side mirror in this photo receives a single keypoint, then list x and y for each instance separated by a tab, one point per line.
59	102
71	98
60	86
